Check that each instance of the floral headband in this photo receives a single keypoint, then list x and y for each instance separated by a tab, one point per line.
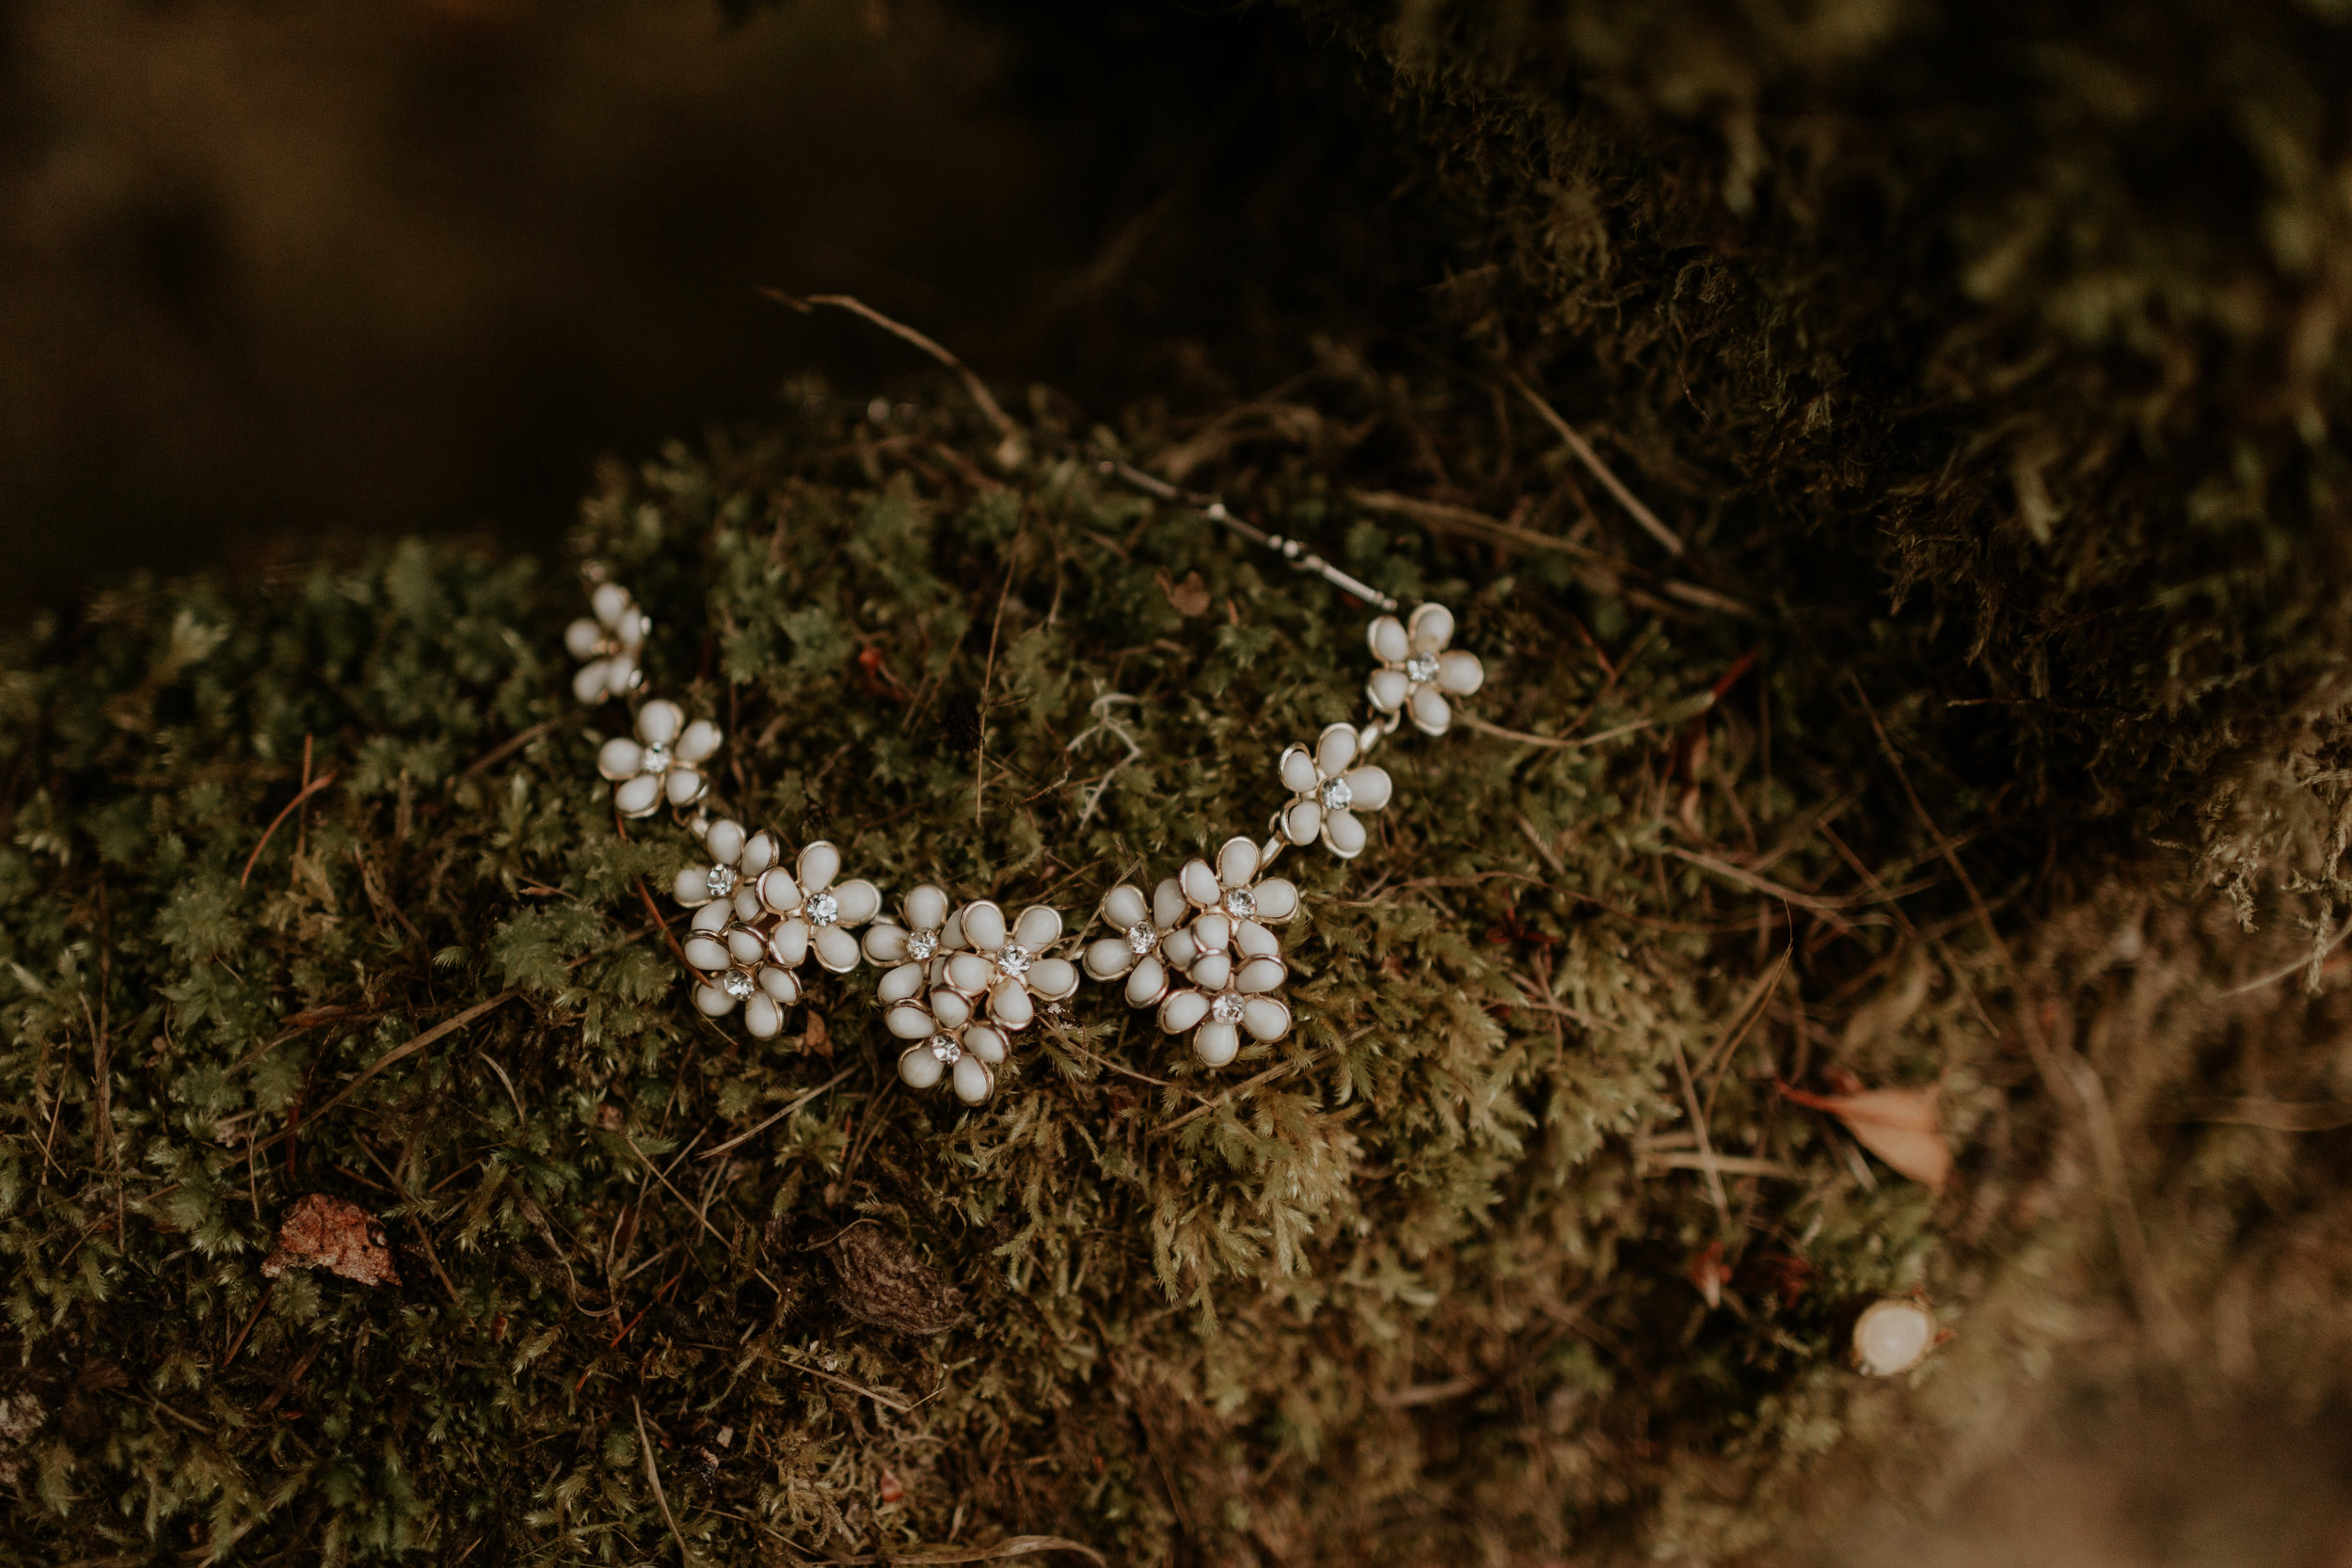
961	982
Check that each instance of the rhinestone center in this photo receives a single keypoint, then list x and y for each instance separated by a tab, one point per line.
1142	937
922	945
719	882
1015	959
1337	795
1422	669
1241	903
945	1048
823	911
657	760
1226	1008
737	984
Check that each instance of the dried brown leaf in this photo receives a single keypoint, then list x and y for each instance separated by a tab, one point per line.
1901	1127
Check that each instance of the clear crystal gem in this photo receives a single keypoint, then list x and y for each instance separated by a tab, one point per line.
922	945
1015	959
945	1048
655	760
1226	1008
1241	903
1336	795
1422	669
1142	937
823	911
737	984
721	882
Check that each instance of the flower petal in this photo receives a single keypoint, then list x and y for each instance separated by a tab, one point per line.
1037	928
952	933
693	888
821	863
1178	949
636	796
1430	629
588	682
745	945
1387	689
1108	957
910	1021
974	1082
581	637
1391	645
886	944
1236	862
1216	1043
952	1008
984	926
779	892
1259	976
857	901
724	840
1148	983
1429	713
684	786
708	953
1009	1005
712	1002
658	721
1302	822
918	1068
1211	932
1052	978
836	949
901	984
763	1017
1368	788
1212	971
788	943
610	602
710	918
1342	834
760	852
1199	884
1278	899
1253	941
619	758
1336	749
701	739
781	984
1124	905
970	973
1460	673
631	629
1168	904
1181	1011
1298	771
1266	1017
746	904
989	1045
926	909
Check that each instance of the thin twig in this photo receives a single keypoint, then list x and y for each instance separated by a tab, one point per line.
1591	459
308	790
686	1553
508	746
990	408
795	1104
1698	1125
1470	721
399	1052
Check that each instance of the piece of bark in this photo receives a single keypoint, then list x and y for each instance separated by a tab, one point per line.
884	1282
323	1232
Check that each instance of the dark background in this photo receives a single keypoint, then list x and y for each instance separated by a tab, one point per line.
274	272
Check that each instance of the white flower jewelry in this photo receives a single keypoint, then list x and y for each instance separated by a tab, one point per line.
958	983
1417	673
661	764
1328	789
811	912
610	644
1143	931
